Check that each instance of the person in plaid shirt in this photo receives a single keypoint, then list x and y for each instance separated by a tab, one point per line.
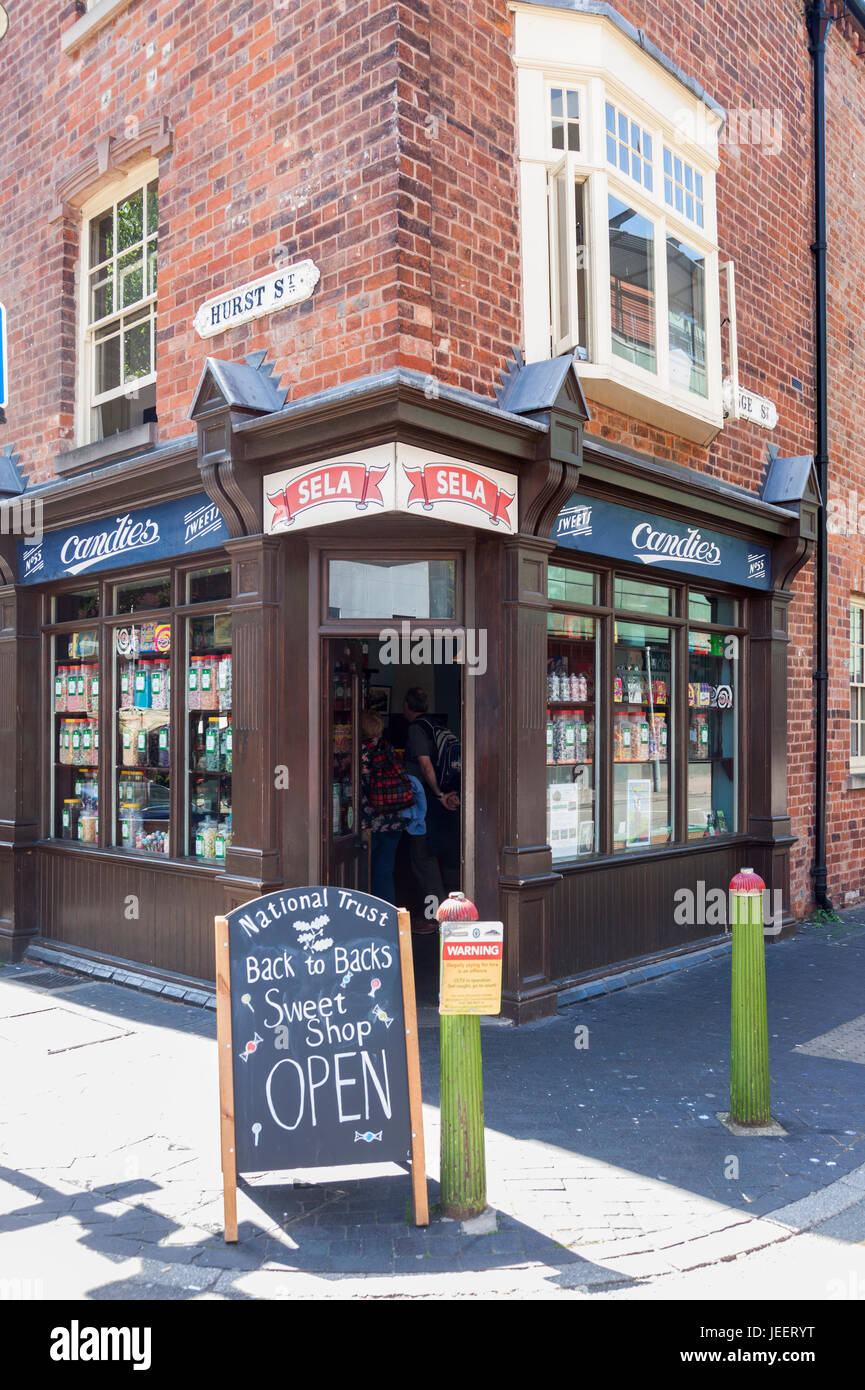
385	827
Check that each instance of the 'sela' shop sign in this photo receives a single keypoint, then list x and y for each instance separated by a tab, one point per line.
390	478
170	528
622	533
256	298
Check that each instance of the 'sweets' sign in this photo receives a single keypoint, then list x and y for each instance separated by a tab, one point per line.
389	478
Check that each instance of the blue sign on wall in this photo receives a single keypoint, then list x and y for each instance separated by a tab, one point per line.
623	533
123	540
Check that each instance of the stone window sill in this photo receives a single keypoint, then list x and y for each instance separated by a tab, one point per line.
855	782
117	446
90	23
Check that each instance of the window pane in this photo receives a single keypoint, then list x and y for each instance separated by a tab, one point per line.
130	221
83	603
562	254
101	294
637	597
573	105
101	238
571	746
209	736
686	294
144	737
643	746
107	364
713	608
75	719
143	594
571	586
611	119
152	206
207	586
130	278
632	285
392	589
712	737
136	349
151	267
557	104
582	269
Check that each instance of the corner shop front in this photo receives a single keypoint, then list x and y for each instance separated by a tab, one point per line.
614	745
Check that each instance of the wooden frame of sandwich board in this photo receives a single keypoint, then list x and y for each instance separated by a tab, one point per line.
420	1198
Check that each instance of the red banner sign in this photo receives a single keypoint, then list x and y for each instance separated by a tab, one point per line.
460	484
335	482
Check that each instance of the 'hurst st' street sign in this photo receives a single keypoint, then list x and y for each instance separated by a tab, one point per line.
256	298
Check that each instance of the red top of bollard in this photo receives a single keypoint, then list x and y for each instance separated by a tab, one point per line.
457	908
746	881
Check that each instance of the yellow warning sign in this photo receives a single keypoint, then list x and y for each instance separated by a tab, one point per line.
471	967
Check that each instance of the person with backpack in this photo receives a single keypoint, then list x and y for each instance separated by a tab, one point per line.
433	755
385	793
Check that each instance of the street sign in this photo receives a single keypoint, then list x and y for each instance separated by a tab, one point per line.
471	967
3	358
749	406
4	22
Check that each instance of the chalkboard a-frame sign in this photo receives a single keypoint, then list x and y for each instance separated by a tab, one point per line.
317	1036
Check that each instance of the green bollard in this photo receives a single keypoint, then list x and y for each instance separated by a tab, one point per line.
463	1158
749	1036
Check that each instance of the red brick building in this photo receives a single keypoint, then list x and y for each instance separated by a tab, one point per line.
473	315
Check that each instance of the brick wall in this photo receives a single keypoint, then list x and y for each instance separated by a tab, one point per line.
845	152
378	139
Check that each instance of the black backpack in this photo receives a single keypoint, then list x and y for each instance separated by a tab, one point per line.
448	760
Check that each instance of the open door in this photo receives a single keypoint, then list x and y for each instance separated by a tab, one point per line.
346	848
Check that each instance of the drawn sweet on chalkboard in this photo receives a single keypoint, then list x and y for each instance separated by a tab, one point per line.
309	934
346	979
256	1130
250	1047
247	1000
368	1137
379	1013
374	985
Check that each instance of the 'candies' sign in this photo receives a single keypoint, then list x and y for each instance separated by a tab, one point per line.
170	528
622	533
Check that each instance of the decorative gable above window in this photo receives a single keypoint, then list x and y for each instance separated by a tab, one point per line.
618	153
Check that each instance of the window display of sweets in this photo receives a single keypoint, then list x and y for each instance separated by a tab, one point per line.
70	817
60	680
91	690
141	686
129	731
212	759
223	682
127	679
193	682
205	839
208	683
160	684
88	827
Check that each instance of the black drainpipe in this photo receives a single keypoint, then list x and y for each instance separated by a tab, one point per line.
819	21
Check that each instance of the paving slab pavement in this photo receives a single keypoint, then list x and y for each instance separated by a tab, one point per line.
607	1167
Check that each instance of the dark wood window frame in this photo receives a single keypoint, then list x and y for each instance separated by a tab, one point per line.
176	613
680	623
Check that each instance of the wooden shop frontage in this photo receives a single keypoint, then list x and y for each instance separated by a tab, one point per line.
188	651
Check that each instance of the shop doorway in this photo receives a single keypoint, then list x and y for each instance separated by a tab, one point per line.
360	677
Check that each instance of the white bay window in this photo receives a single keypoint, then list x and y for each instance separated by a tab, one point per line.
618	154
